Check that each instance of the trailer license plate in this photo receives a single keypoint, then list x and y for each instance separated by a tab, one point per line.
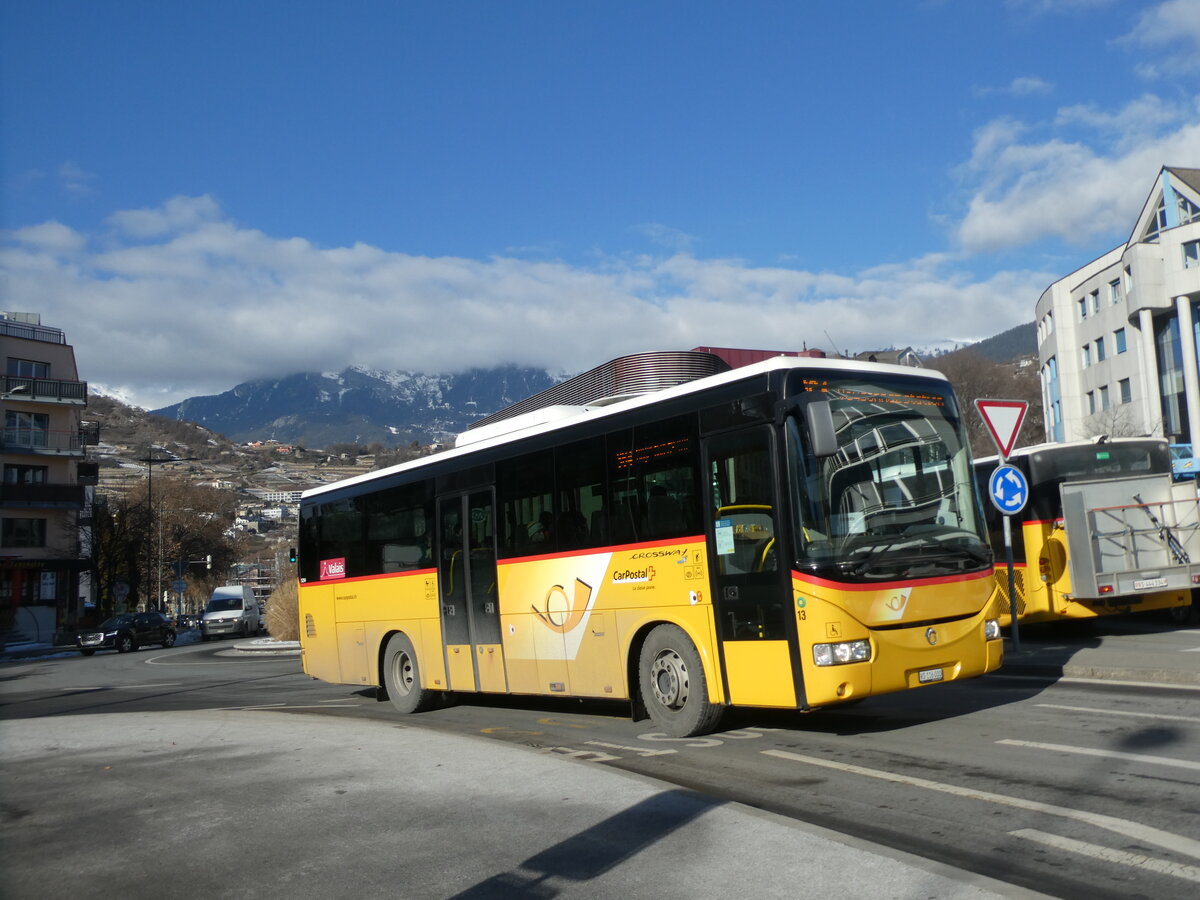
1147	583
925	676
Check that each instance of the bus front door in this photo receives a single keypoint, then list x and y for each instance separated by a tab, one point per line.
467	592
751	599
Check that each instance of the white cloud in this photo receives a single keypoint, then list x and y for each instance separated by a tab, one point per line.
179	301
1029	84
176	214
1022	191
1174	25
1022	86
74	180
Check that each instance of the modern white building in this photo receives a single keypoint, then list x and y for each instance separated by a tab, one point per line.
1118	339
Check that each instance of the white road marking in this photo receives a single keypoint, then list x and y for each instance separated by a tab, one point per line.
1107	754
1119	712
1174	842
1144	685
1107	854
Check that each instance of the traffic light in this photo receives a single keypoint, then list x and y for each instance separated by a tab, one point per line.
208	562
292	555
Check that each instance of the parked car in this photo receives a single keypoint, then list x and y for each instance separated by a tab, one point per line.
1184	463
126	632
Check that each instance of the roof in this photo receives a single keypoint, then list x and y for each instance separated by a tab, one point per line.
1190	177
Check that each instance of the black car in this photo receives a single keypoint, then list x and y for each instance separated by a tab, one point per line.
126	632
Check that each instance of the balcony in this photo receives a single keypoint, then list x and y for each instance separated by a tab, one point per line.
41	496
43	390
37	442
31	332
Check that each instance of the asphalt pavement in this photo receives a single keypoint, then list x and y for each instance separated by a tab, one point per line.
265	804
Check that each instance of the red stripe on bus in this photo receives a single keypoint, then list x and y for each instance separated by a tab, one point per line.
890	585
609	548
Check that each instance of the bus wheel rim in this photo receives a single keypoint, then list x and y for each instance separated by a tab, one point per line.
669	679
403	670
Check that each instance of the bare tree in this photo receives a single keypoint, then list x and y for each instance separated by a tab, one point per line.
975	377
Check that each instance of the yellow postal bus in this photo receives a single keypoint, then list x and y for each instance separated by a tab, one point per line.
1104	531
790	534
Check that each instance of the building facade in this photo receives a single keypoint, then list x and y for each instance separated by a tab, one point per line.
46	491
1118	339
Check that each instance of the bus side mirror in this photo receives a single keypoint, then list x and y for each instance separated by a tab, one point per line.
818	417
822	438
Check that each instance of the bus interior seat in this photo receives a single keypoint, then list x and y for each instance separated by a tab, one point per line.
397	557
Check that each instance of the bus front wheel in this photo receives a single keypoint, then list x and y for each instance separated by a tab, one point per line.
673	687
402	678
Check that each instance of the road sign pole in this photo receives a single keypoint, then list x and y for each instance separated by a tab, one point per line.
1012	585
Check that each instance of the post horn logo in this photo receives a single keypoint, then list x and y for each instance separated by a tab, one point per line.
931	636
562	613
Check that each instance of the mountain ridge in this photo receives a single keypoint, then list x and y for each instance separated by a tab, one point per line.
396	408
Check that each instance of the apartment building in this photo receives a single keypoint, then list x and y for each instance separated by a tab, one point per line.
46	492
1118	339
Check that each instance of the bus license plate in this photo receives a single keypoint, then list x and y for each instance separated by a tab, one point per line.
1147	583
925	676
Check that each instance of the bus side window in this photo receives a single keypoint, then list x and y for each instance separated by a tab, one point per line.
527	504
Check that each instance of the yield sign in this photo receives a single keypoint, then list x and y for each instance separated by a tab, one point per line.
1003	419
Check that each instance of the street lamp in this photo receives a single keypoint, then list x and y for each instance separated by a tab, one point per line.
150	460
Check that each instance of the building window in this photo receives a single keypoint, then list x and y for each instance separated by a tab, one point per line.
1085	357
1170	377
1114	291
25	474
1104	397
1096	301
1099	350
1083	307
23	429
1119	339
23	533
1128	280
27	368
1126	390
1188	211
1191	255
1091	401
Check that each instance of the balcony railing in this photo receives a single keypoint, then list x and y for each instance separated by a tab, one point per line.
41	496
43	390
35	440
32	332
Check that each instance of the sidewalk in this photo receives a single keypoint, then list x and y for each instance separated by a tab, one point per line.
257	804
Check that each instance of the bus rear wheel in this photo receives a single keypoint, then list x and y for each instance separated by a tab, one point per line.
673	687
402	677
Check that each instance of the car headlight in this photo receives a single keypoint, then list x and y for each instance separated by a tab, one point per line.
841	653
991	629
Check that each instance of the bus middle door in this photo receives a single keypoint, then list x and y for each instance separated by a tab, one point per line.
469	599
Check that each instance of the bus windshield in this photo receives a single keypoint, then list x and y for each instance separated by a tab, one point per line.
897	499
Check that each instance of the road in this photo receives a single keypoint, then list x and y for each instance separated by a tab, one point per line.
1079	786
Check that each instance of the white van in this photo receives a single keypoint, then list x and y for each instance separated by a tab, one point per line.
231	610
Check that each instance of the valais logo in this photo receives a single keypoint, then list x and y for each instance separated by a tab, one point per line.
333	568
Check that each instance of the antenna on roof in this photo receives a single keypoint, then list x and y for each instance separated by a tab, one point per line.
835	346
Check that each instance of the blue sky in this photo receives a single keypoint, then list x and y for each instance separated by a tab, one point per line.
204	193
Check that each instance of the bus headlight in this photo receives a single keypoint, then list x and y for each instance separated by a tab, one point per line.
991	629
841	653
